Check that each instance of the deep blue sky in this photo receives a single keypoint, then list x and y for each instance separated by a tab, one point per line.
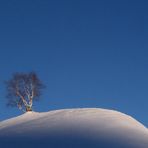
91	53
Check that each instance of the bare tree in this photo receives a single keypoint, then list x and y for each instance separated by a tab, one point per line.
23	89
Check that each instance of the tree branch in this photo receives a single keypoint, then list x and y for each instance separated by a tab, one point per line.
23	99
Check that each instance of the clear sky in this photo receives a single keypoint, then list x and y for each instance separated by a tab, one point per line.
89	53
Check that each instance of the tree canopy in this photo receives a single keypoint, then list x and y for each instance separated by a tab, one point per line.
23	89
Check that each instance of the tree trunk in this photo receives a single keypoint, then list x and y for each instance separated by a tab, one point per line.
28	108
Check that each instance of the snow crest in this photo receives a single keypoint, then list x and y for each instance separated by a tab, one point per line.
74	128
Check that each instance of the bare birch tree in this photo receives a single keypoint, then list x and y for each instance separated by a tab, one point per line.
23	89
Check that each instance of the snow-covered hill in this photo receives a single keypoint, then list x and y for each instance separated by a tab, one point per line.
73	128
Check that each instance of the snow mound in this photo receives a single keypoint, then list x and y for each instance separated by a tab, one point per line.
73	128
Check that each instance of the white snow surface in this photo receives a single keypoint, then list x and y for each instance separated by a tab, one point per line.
74	128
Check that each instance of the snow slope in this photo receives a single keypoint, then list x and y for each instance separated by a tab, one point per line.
73	128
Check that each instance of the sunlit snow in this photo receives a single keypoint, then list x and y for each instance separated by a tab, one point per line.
73	128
